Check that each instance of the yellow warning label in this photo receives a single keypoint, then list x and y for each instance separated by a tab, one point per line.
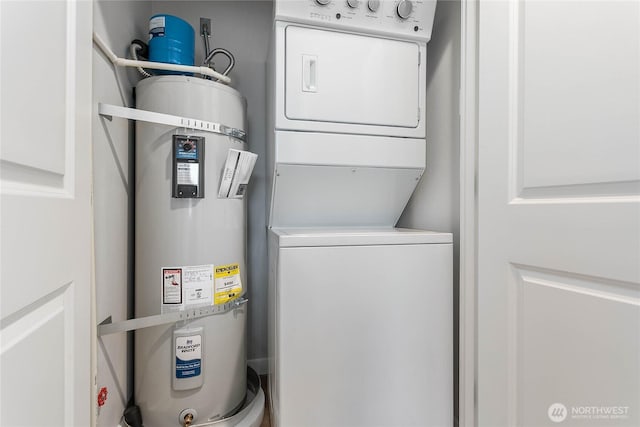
227	283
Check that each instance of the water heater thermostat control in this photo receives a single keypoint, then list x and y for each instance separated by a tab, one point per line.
406	19
188	167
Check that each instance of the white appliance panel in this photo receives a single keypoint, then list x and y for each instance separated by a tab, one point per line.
349	150
362	335
334	196
324	179
346	78
408	19
340	236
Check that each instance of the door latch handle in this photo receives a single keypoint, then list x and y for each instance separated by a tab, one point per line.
309	73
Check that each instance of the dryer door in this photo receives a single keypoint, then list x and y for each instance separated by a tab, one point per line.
335	77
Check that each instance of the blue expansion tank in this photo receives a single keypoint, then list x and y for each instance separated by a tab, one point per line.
172	40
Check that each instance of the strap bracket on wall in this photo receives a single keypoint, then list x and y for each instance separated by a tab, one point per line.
109	111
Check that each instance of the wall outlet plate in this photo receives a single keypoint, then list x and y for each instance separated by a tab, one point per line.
205	24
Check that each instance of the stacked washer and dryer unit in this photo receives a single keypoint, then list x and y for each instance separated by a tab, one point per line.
360	312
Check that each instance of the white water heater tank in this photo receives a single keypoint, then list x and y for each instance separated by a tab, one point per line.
185	238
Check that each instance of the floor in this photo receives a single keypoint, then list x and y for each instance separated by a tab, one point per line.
266	420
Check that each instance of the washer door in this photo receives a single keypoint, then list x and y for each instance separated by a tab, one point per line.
353	79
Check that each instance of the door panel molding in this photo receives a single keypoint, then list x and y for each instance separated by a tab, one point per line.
47	108
515	93
598	287
49	318
537	127
22	179
70	100
564	352
590	193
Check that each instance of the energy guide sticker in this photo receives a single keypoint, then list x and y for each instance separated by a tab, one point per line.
227	283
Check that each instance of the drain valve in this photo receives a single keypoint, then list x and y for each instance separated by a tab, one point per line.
187	417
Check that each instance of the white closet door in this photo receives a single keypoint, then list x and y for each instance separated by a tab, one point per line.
45	186
559	213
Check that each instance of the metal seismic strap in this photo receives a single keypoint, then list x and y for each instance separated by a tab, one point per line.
108	111
106	328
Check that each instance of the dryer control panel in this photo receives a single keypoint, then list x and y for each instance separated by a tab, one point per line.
407	19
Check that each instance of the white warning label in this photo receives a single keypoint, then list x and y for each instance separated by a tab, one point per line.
188	173
187	286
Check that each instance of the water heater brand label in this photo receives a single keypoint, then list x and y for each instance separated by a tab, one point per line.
188	356
228	285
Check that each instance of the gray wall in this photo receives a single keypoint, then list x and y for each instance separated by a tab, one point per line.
243	28
435	204
118	22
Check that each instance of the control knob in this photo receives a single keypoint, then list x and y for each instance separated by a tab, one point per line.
353	3
404	9
373	5
323	2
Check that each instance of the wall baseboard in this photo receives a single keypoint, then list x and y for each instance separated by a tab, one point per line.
261	366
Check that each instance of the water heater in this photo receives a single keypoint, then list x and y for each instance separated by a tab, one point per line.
190	252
